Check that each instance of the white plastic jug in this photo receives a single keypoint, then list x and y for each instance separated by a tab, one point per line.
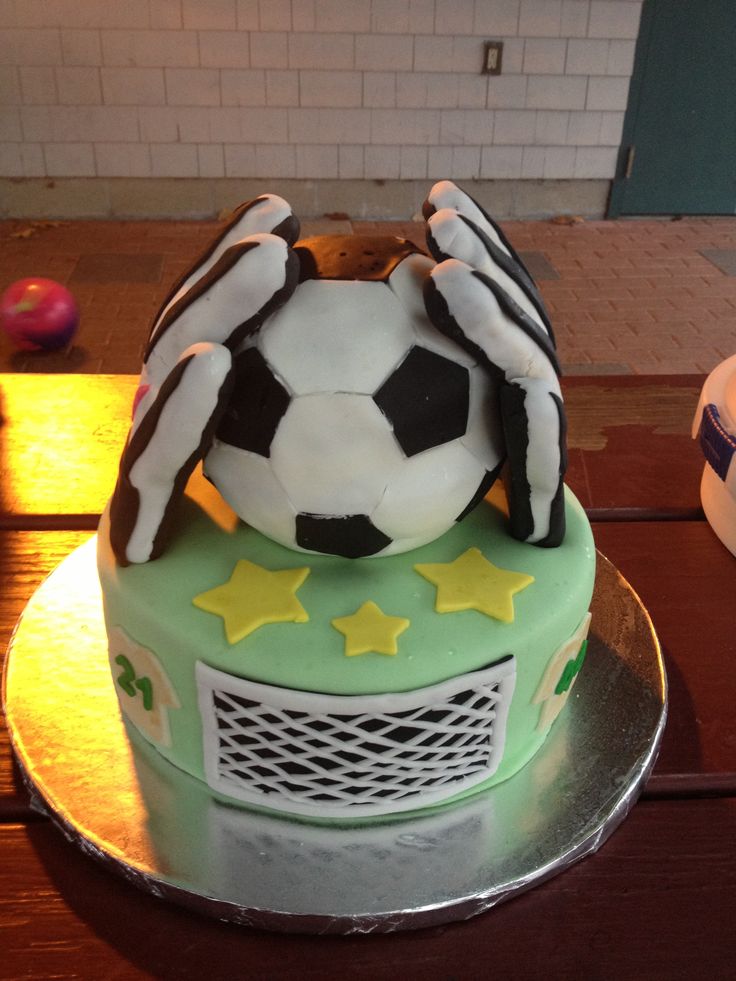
715	428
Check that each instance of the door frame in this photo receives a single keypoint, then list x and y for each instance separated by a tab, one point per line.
643	44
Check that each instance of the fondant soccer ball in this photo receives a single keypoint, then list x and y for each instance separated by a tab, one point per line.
355	427
346	394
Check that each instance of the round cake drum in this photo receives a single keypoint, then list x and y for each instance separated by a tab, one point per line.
168	834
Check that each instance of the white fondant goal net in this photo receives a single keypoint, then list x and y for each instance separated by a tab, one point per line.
308	753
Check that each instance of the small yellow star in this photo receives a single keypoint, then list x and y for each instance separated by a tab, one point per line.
253	597
369	629
471	582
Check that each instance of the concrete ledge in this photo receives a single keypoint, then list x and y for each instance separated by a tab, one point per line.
177	198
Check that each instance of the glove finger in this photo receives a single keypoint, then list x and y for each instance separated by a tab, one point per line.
231	300
452	235
445	194
161	453
471	308
267	213
474	311
535	433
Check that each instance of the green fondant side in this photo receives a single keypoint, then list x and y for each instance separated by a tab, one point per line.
153	604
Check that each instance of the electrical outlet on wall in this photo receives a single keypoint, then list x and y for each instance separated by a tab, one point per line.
492	55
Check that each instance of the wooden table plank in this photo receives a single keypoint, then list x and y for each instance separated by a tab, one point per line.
62	436
690	596
26	558
657	901
64	917
60	441
630	443
687	580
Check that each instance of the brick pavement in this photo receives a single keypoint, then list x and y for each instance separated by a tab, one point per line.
632	296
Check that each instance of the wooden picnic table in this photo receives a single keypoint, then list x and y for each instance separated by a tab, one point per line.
658	900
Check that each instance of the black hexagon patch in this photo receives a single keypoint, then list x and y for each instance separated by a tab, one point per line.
426	400
256	406
352	536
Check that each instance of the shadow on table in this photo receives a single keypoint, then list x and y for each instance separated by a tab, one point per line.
164	940
68	360
681	750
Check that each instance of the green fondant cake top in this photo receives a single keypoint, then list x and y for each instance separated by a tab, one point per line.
310	655
152	606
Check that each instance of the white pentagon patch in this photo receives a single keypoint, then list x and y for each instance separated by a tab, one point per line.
333	453
427	494
336	336
248	483
407	282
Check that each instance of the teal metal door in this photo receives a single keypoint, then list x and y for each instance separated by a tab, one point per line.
678	153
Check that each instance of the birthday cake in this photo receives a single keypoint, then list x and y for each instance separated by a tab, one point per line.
342	576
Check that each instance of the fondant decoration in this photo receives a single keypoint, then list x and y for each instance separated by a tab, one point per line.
228	302
364	390
480	295
352	756
429	385
131	684
145	692
253	597
224	297
256	407
471	582
559	677
267	213
389	434
353	536
153	602
369	629
458	227
153	474
38	314
570	671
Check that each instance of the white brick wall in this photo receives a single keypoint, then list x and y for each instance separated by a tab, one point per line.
313	88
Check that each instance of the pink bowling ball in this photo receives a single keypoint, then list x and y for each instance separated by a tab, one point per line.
38	314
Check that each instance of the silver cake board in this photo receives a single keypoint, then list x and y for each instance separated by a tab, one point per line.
167	833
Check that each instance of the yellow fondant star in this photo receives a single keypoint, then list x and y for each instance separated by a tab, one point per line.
370	629
471	582
253	597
